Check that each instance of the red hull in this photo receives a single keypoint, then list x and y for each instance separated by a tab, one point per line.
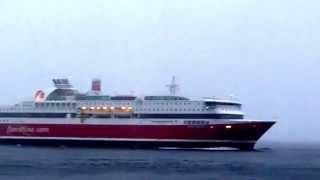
231	135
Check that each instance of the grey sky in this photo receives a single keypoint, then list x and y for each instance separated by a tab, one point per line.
264	52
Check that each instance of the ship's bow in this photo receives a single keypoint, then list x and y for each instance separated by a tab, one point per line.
250	132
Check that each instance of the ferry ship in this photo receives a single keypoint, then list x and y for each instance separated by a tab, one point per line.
63	116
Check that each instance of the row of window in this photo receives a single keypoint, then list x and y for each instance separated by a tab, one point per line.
105	104
169	109
196	122
147	104
171	103
165	98
53	104
182	109
228	108
73	105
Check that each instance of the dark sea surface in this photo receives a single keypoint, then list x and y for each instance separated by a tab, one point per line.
270	161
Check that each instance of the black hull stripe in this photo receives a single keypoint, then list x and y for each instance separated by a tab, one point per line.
128	144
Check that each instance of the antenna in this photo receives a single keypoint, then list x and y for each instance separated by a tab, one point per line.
173	87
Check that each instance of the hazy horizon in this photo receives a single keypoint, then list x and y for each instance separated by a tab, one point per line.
264	52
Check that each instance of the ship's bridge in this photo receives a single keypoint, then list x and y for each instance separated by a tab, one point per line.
222	104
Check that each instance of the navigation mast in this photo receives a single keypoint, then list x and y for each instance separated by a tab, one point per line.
173	87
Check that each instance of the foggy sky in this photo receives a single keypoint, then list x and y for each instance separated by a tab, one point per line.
264	52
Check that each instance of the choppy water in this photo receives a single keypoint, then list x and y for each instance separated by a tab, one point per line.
282	161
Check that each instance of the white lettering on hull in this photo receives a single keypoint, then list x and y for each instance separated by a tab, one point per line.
26	130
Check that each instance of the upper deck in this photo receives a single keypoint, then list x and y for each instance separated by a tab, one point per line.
64	99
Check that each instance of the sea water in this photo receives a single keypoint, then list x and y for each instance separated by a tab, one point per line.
270	161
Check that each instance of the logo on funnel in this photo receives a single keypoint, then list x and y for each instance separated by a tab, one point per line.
39	96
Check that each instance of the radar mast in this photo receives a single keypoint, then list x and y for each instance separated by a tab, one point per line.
62	83
173	87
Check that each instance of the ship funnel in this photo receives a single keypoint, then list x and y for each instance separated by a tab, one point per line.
96	86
